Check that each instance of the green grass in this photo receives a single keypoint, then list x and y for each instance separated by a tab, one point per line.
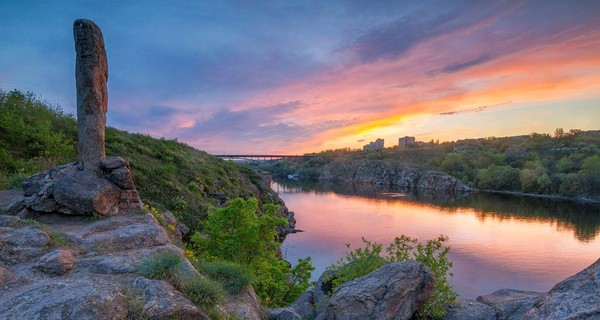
160	266
234	277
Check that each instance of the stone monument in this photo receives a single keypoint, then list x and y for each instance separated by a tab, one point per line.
91	74
95	184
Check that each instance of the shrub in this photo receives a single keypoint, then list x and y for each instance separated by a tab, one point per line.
362	261
237	233
202	291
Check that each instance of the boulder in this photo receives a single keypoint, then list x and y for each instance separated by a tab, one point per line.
81	298
510	304
577	297
395	291
84	192
244	305
470	310
56	262
282	314
164	302
304	306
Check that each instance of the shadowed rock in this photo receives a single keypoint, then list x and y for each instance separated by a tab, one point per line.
91	73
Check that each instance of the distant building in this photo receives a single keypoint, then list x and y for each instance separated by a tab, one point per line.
374	145
406	141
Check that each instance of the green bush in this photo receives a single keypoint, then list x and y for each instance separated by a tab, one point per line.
362	261
238	233
204	292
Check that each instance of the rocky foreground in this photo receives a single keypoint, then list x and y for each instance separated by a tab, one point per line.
55	266
398	290
390	173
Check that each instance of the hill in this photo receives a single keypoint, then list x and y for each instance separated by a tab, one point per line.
566	164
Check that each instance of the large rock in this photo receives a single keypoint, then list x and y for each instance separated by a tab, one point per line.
510	304
68	190
470	310
56	262
80	298
164	302
91	74
83	192
395	291
577	297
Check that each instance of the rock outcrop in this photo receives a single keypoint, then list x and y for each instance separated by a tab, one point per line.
68	190
73	267
395	291
577	297
390	173
91	74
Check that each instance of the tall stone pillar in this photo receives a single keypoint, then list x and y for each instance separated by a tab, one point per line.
91	74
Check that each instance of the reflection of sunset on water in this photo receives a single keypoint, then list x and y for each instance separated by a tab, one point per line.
489	251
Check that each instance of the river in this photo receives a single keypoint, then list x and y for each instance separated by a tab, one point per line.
497	241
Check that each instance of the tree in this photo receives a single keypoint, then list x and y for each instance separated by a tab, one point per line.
591	165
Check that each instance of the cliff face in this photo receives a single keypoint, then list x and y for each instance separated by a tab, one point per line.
390	173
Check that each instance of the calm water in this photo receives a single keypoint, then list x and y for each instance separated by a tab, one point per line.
497	241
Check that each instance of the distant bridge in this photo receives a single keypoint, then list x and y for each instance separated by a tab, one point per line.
258	157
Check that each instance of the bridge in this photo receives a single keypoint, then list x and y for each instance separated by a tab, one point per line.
258	157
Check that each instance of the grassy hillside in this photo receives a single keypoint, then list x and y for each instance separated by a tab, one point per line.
566	163
170	175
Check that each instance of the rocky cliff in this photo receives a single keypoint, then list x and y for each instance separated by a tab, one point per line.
56	266
390	173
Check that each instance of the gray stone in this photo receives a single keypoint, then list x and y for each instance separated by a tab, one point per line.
32	184
84	192
122	178
577	297
8	221
470	310
109	164
244	305
323	288
164	302
395	291
82	298
56	262
510	304
109	264
304	306
91	74
282	314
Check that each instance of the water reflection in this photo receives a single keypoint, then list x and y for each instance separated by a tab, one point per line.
497	241
582	219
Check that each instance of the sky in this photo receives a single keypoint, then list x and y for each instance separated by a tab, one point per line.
290	77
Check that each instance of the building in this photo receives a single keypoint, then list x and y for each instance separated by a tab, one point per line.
374	145
406	141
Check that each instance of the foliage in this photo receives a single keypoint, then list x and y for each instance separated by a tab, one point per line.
236	233
362	261
35	135
204	292
235	277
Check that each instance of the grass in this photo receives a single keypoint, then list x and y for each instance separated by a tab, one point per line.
204	292
160	266
136	300
234	277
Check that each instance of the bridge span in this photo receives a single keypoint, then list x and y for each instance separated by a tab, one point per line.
258	157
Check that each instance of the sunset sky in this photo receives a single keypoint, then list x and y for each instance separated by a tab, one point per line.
299	76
